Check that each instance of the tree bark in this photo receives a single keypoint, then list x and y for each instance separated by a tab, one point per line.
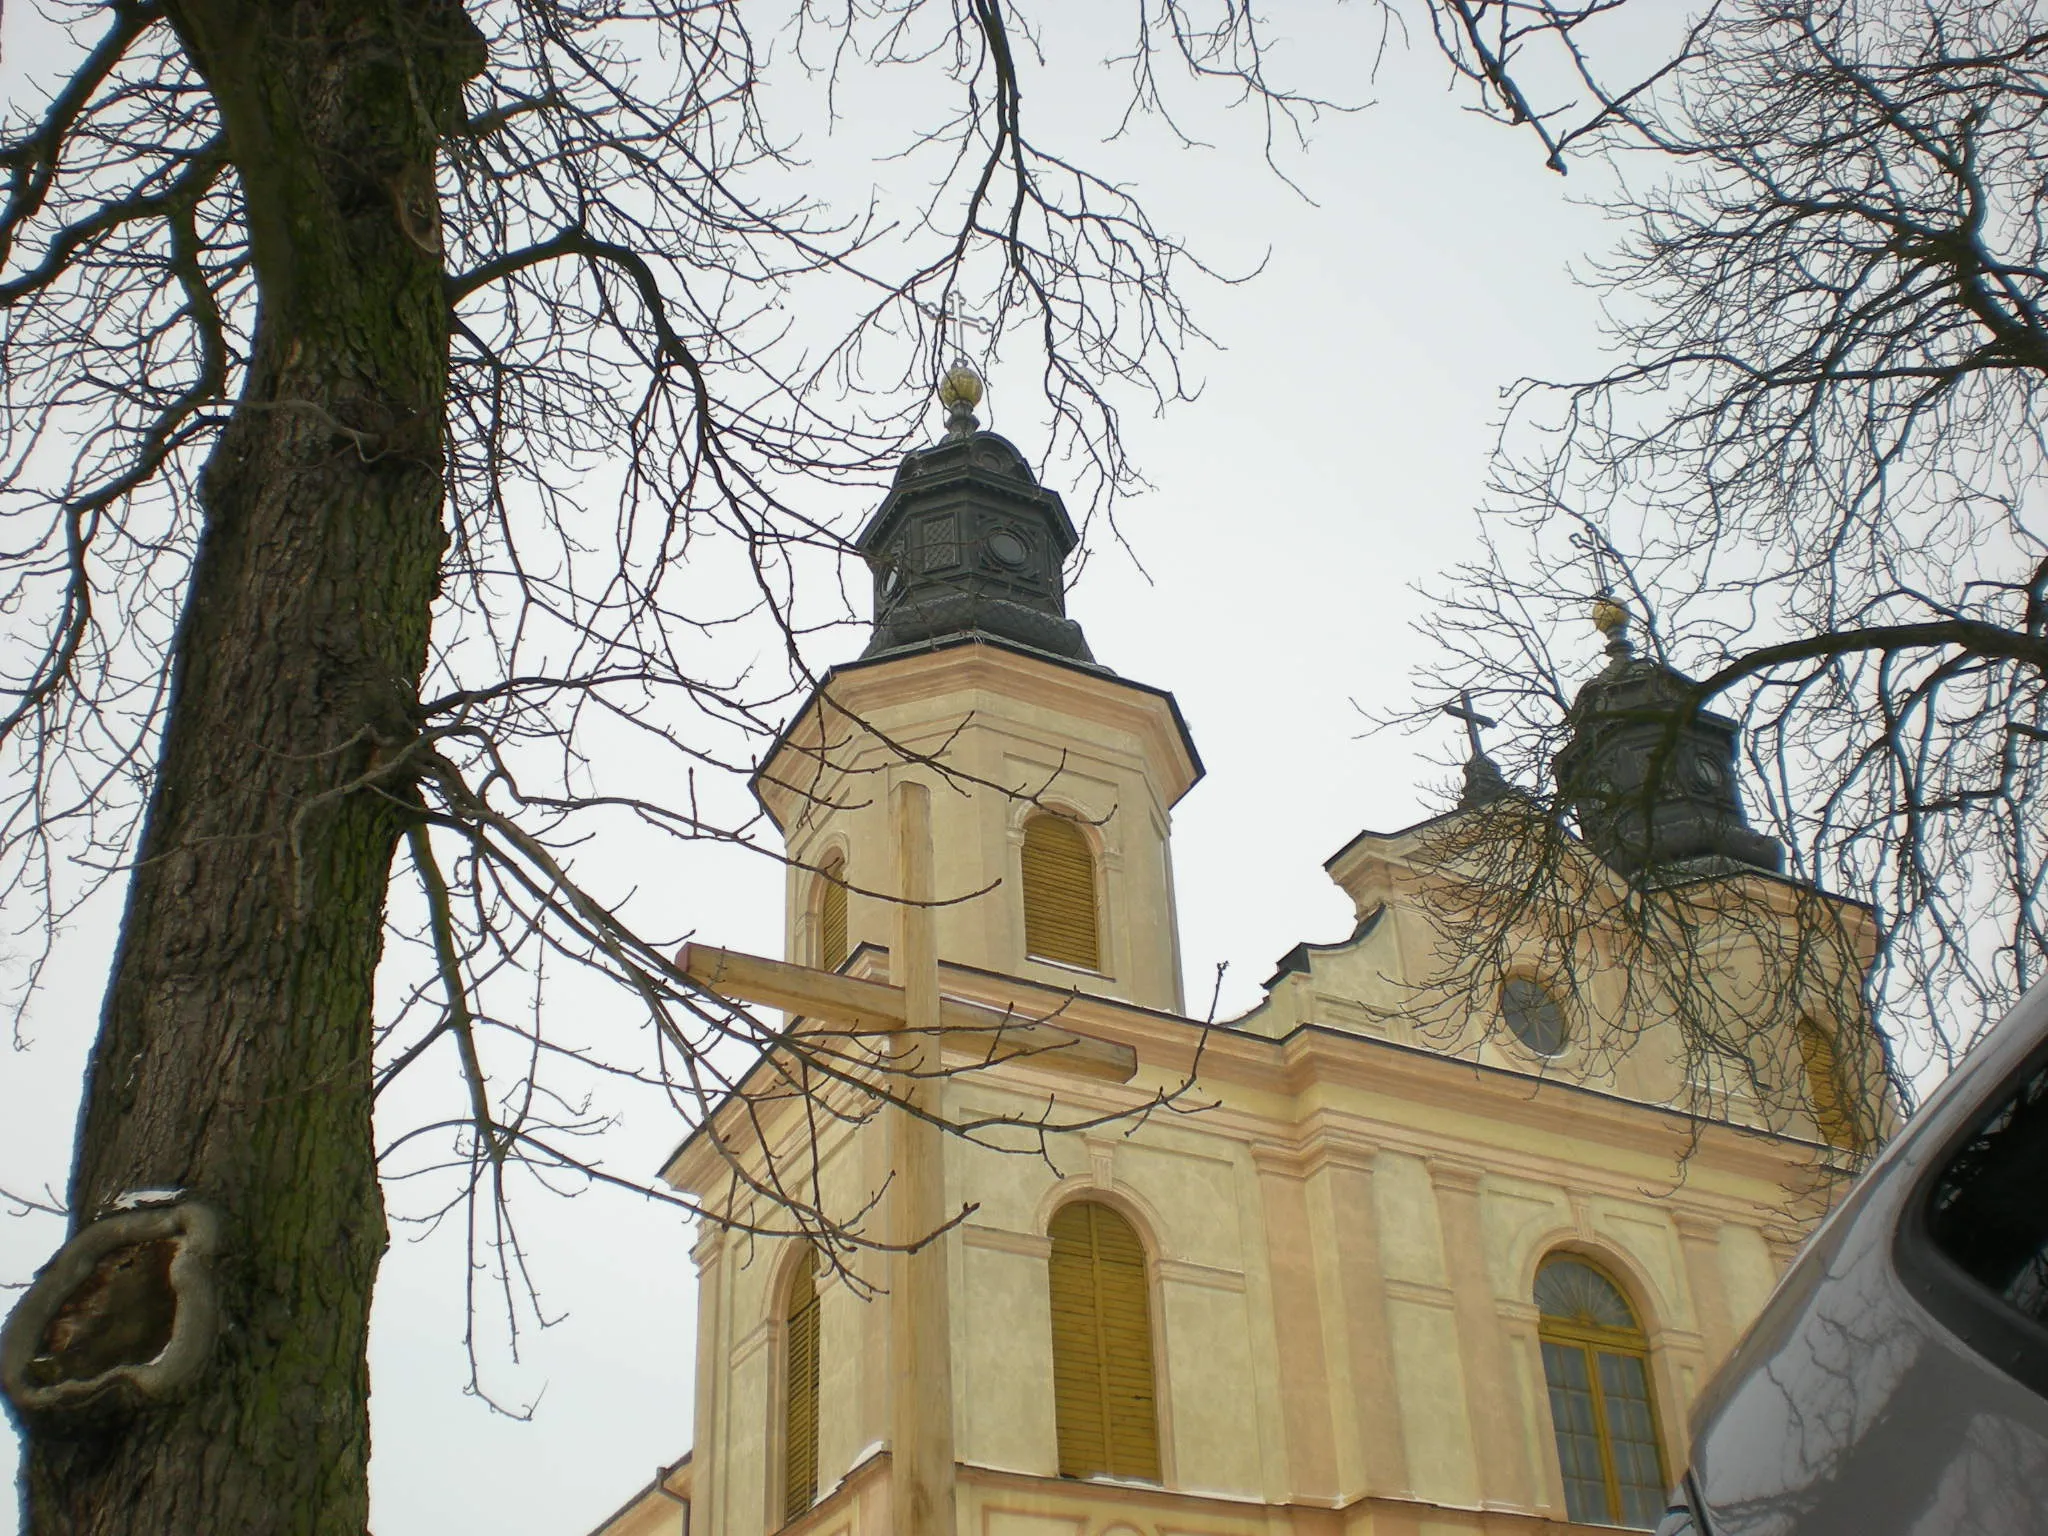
233	1059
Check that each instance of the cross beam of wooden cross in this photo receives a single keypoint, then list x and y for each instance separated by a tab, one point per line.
876	1007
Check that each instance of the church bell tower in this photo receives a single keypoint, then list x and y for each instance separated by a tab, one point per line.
1052	779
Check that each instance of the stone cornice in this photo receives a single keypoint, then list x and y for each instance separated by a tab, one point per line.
1338	1146
1116	1505
1206	1276
1422	1292
1028	1244
861	690
1284	1160
1696	1227
1454	1173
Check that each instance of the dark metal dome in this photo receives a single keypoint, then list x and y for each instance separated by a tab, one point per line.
968	542
1651	776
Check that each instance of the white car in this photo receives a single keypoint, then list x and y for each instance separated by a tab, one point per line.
1896	1384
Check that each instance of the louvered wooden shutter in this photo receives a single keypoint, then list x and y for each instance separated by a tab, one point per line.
1824	1086
832	915
1103	1396
1059	893
800	1389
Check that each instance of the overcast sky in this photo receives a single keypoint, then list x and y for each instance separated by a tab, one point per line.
1333	460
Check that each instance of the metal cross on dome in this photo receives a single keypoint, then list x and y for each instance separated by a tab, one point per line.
955	323
1474	721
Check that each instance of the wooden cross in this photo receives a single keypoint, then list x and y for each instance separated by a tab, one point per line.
1463	710
914	1021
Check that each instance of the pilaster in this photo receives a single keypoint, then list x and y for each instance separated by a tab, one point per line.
1311	1450
1500	1444
1357	1316
707	1477
1699	1239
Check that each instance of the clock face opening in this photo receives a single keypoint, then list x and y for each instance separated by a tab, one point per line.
1008	550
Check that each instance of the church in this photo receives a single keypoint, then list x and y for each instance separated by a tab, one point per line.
1328	1267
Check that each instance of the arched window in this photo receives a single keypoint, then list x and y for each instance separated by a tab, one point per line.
1059	894
832	913
1825	1094
800	1390
1597	1364
1103	1398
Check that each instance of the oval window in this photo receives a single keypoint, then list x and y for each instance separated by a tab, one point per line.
1008	549
1533	1014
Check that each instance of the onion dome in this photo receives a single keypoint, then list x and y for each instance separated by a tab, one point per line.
968	543
1651	776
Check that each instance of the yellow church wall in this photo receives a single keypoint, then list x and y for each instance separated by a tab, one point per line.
711	1417
1411	1243
1196	1204
1002	1379
1000	1302
1189	1196
742	1290
1341	1269
1643	1238
1007	1187
1531	1405
1369	1445
1342	1249
993	1504
1217	1429
752	1447
847	1322
1521	1216
852	1387
1619	1037
1189	1181
1747	1270
1366	989
857	1505
1299	1347
1430	1389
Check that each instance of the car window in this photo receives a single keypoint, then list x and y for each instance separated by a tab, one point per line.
1989	1211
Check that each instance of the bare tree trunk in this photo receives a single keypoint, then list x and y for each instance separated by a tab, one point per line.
234	1052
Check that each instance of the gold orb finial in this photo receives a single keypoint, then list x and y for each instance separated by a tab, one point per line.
961	387
1609	617
960	393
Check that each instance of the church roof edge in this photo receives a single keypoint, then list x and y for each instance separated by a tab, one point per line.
1296	960
1669	877
934	646
663	1475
